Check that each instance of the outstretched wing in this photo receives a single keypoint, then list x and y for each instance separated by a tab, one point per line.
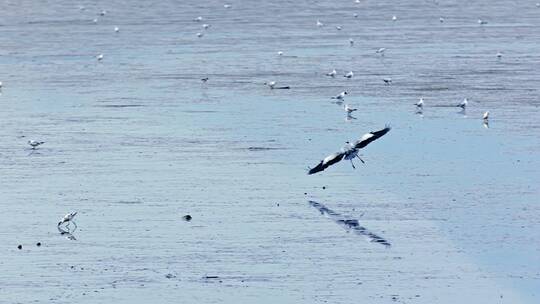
327	162
369	137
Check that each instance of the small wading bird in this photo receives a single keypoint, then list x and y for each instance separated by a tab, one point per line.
34	144
350	151
340	96
463	104
332	74
349	75
348	109
68	218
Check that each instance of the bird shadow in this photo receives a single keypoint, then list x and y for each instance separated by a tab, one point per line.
349	117
67	231
349	224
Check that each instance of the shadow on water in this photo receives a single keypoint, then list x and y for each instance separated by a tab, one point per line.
67	231
349	224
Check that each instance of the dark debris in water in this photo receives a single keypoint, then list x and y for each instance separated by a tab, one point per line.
349	224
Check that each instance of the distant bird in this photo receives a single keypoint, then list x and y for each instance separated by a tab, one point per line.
340	96
99	57
387	80
227	6
332	74
486	116
394	18
381	51
538	4
499	55
348	109
272	85
1	84
319	23
355	15
95	20
116	29
206	26
103	13
350	151
199	19
205	79
463	104
441	20
34	144
420	103
482	22
338	27
68	218
280	53
200	35
351	42
349	75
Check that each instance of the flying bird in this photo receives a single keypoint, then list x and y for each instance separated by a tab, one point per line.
34	144
332	74
349	75
68	218
350	151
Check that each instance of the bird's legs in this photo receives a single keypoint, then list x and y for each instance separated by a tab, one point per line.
352	164
363	162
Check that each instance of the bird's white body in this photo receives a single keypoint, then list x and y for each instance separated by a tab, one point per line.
499	54
1	84
338	27
116	29
420	103
67	218
486	115
394	18
95	20
332	74
464	103
280	53
387	80
319	23
200	35
34	143
99	57
199	19
355	15
206	26
226	5
380	51
441	20
340	96
348	109
481	22
270	84
349	75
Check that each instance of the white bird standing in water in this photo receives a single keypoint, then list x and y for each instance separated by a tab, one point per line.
486	116
319	23
68	218
199	19
420	103
441	20
99	57
348	109
206	26
463	104
340	96
280	53
481	22
349	75
34	144
387	80
381	51
116	29
332	74
226	5
200	35
394	18
338	27
499	55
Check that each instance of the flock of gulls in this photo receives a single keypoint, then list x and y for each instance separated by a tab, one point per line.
349	152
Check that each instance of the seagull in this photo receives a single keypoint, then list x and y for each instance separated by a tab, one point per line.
499	55
351	41
349	75
381	51
338	27
482	22
441	20
68	218
355	15
348	109
319	23
34	144
205	79
486	116
463	104
341	95
198	19
350	151
394	18
332	74
226	5
280	53
387	80
206	26
99	57
116	29
420	103
200	35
